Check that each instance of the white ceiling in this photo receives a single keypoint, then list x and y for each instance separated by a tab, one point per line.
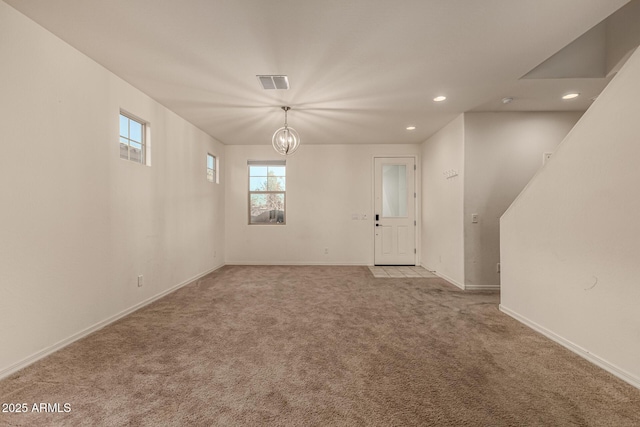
361	71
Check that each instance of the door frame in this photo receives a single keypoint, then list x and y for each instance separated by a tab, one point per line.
417	205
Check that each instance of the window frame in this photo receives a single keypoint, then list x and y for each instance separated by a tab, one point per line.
214	175
266	163
144	136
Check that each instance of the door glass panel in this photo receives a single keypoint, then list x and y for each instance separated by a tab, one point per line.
394	191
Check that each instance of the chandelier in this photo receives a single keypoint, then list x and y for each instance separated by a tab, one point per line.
285	140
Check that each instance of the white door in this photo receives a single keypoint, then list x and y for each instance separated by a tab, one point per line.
394	216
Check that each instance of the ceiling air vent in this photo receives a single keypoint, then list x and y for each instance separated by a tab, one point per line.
274	82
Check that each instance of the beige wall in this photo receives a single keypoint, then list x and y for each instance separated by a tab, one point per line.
622	34
570	242
502	152
326	185
442	202
494	155
77	224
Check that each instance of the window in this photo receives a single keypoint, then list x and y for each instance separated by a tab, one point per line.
212	176
267	192
132	139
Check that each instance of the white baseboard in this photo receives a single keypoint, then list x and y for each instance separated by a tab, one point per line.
607	366
482	287
302	263
460	285
5	372
445	277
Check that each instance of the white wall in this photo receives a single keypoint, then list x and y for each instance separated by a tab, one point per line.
442	202
502	152
77	224
326	185
570	242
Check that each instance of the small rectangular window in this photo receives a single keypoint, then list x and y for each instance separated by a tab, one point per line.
267	192
133	144
212	175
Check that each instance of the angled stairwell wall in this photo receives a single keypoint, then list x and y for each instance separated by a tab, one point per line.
570	243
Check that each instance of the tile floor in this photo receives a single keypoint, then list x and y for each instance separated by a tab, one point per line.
400	271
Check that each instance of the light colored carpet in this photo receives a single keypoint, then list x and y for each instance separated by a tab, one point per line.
302	346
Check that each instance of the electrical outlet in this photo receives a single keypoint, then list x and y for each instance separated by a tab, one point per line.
326	251
474	218
140	281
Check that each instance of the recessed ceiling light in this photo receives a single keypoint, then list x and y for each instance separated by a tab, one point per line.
507	100
411	128
439	98
571	96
